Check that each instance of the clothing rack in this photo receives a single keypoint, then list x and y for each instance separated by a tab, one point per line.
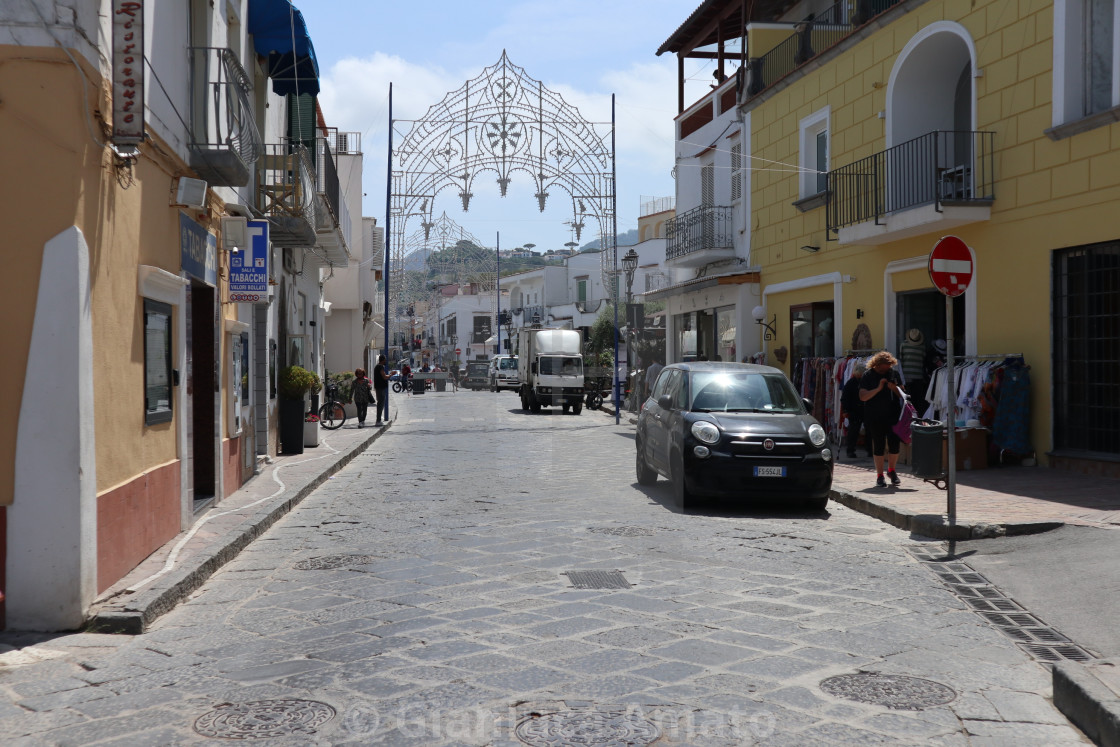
861	351
990	355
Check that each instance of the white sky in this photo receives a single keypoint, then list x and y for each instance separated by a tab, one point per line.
583	49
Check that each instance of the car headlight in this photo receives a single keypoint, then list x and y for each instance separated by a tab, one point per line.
817	435
706	432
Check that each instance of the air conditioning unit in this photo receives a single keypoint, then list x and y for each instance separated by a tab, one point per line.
190	193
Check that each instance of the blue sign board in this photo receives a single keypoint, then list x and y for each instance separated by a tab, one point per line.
199	250
248	269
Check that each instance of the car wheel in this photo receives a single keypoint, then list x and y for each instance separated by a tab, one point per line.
817	504
681	497
646	475
577	408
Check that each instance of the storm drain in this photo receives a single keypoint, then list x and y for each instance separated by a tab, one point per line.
586	728
333	562
1031	634
894	691
622	531
597	579
264	719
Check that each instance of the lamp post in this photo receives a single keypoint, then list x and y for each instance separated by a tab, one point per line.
629	266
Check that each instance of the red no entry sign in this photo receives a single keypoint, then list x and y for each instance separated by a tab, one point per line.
458	351
950	266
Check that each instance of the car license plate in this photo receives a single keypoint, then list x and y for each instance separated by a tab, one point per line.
769	471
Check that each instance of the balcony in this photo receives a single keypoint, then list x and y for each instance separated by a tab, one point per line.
804	40
699	236
286	194
935	182
224	142
332	229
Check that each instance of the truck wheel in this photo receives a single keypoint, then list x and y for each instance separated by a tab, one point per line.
577	408
534	403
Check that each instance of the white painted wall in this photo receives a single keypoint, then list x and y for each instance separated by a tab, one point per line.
52	530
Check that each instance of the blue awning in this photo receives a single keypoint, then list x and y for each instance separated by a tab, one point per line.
280	34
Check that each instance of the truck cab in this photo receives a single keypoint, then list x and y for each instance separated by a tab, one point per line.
550	366
477	375
503	373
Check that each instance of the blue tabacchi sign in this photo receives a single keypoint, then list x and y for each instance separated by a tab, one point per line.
198	249
248	269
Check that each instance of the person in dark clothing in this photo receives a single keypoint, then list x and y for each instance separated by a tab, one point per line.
361	389
381	389
853	408
881	392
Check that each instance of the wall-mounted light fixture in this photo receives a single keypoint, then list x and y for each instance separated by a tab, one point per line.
859	313
810	249
759	314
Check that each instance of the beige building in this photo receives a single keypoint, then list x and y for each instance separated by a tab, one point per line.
145	326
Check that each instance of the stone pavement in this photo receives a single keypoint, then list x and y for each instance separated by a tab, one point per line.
479	575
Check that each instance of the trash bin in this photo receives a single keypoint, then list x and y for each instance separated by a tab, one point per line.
925	448
441	385
418	385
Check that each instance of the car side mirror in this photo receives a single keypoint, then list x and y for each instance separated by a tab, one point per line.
665	402
808	404
533	367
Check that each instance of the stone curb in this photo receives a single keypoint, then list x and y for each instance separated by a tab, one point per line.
133	614
936	525
1087	702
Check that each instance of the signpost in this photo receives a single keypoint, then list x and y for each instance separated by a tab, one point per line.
950	269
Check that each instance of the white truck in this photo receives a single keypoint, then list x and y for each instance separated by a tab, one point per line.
550	367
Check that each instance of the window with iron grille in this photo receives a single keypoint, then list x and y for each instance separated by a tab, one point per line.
1086	348
736	172
708	185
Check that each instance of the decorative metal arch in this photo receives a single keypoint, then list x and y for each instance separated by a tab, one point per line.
503	122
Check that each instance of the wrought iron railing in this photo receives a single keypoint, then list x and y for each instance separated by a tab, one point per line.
939	168
326	174
286	187
224	140
811	37
654	205
704	227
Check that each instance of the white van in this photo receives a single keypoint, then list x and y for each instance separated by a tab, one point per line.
503	373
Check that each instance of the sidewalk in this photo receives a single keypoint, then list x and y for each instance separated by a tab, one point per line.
182	565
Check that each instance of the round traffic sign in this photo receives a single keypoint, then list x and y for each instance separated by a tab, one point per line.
458	351
950	266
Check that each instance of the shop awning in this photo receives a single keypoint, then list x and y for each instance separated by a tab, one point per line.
280	35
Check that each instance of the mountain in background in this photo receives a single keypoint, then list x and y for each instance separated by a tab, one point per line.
623	239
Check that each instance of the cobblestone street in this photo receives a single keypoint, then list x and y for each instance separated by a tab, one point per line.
431	593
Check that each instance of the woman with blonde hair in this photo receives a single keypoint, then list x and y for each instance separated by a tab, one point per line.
880	389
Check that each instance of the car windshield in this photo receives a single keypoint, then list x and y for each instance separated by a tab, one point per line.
507	364
720	391
561	365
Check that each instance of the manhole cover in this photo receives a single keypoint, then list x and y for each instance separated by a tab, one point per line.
597	579
333	562
264	719
891	690
587	728
623	531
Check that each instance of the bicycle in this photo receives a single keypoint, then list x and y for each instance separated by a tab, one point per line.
332	414
402	384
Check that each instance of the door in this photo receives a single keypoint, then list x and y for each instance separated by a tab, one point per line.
202	387
653	417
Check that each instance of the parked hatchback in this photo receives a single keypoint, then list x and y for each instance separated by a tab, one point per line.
732	430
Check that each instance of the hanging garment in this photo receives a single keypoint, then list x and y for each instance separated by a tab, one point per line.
1010	429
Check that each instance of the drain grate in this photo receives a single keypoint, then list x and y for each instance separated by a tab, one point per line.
622	531
333	562
264	719
1033	636
586	728
1056	653
894	691
597	579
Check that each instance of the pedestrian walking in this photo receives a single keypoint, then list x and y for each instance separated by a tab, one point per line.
853	408
361	390
381	389
881	392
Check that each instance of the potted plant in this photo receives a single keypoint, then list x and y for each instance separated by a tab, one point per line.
293	385
311	429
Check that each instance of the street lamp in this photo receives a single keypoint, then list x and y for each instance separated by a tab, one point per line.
629	266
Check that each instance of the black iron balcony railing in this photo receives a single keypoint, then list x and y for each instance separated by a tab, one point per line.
286	186
938	168
327	174
224	142
704	227
811	37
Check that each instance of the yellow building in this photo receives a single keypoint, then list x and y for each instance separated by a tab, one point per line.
876	128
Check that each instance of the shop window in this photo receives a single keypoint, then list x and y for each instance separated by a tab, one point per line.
158	375
811	332
1085	58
